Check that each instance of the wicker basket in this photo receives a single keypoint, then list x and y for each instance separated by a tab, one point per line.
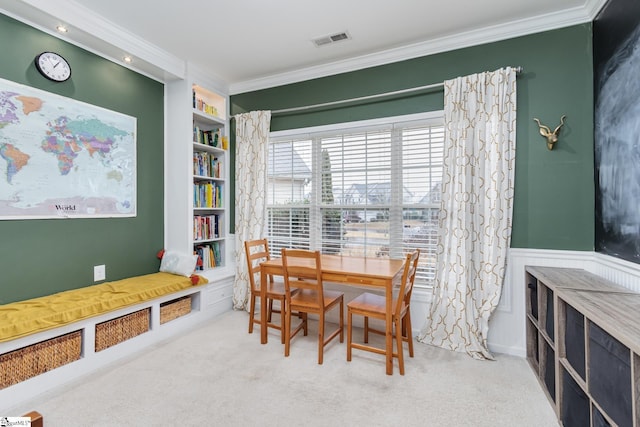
171	310
122	328
24	363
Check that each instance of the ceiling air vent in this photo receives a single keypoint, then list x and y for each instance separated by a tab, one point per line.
333	38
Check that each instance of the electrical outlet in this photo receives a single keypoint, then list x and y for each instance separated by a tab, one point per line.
99	273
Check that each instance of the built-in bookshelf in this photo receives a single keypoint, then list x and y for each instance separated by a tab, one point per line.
197	194
210	145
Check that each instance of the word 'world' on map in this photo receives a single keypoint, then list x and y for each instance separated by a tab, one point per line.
62	158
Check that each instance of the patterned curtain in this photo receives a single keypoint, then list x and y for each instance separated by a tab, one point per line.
476	209
252	145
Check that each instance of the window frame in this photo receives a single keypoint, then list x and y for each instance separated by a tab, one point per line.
395	206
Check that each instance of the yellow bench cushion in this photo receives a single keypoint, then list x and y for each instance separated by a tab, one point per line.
27	317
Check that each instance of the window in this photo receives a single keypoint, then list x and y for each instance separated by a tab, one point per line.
364	189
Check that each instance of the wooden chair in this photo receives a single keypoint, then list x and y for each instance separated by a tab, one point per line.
373	305
256	252
303	270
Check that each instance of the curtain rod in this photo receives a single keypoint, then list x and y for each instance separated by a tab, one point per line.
366	98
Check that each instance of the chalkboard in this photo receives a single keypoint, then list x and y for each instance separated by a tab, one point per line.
616	41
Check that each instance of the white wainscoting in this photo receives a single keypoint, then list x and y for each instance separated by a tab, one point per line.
507	325
618	271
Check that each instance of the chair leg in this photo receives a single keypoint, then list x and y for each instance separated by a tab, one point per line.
399	341
341	319
407	323
270	310
287	328
252	311
282	331
349	320
321	338
306	324
366	330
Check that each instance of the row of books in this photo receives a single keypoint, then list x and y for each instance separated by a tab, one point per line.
207	164
207	195
206	227
207	137
201	105
212	138
210	255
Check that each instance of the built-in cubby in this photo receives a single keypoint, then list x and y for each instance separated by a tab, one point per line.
574	340
583	343
610	375
575	406
548	371
541	348
532	300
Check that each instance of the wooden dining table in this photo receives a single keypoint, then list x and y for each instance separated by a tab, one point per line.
381	273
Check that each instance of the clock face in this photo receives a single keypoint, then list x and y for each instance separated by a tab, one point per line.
53	66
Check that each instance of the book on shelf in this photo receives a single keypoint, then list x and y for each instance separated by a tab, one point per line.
210	255
206	227
216	167
211	137
201	105
207	195
205	254
207	164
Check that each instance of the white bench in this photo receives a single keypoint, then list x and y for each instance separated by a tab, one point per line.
119	325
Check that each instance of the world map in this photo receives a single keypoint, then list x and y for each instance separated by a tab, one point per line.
60	157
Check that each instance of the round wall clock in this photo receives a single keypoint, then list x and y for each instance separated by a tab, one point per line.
53	66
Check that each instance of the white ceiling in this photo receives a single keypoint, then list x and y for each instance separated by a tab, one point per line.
252	44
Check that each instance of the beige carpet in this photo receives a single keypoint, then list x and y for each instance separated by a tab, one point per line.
219	375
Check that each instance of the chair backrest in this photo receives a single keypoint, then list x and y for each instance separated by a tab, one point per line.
408	277
256	251
302	269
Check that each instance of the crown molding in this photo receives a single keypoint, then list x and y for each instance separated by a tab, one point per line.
97	35
593	7
208	80
547	22
104	38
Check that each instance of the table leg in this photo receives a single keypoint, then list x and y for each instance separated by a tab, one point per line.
263	307
389	329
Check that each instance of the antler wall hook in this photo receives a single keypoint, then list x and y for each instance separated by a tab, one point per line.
552	137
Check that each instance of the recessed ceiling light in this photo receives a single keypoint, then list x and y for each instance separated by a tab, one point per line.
127	59
61	29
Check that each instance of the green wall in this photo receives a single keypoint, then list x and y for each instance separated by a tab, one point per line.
554	190
40	257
